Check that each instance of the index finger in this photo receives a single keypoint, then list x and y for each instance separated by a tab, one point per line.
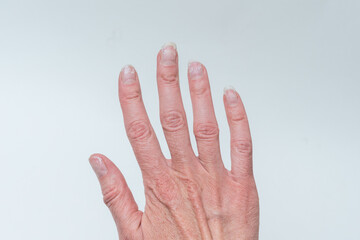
138	128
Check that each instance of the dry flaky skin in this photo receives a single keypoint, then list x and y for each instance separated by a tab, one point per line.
199	206
187	196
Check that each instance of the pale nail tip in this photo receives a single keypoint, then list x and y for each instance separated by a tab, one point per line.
172	44
227	88
95	157
127	67
191	61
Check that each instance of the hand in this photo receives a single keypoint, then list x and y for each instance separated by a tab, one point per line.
187	196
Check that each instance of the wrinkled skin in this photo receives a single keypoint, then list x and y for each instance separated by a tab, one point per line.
187	196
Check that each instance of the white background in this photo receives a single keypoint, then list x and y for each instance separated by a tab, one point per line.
295	64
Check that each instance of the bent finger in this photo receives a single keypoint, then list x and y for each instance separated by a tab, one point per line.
117	196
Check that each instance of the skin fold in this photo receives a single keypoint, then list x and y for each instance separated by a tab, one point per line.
187	196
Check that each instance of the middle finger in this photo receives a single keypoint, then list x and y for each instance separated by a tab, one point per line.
172	113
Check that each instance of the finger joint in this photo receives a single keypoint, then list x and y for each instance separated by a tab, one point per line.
111	195
139	130
243	147
168	77
173	121
129	96
206	131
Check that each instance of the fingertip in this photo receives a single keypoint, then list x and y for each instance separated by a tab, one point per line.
231	96
96	155
106	171
169	44
97	162
128	75
196	70
168	55
193	62
229	87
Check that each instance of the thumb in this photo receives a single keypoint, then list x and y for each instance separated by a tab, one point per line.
117	196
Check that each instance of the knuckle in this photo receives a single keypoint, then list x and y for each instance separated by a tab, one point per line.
169	76
243	178
243	147
111	195
200	90
132	95
192	189
206	131
139	130
172	121
238	116
166	190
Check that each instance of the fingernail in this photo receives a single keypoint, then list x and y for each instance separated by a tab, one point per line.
230	95
129	74
98	165
196	70
168	54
